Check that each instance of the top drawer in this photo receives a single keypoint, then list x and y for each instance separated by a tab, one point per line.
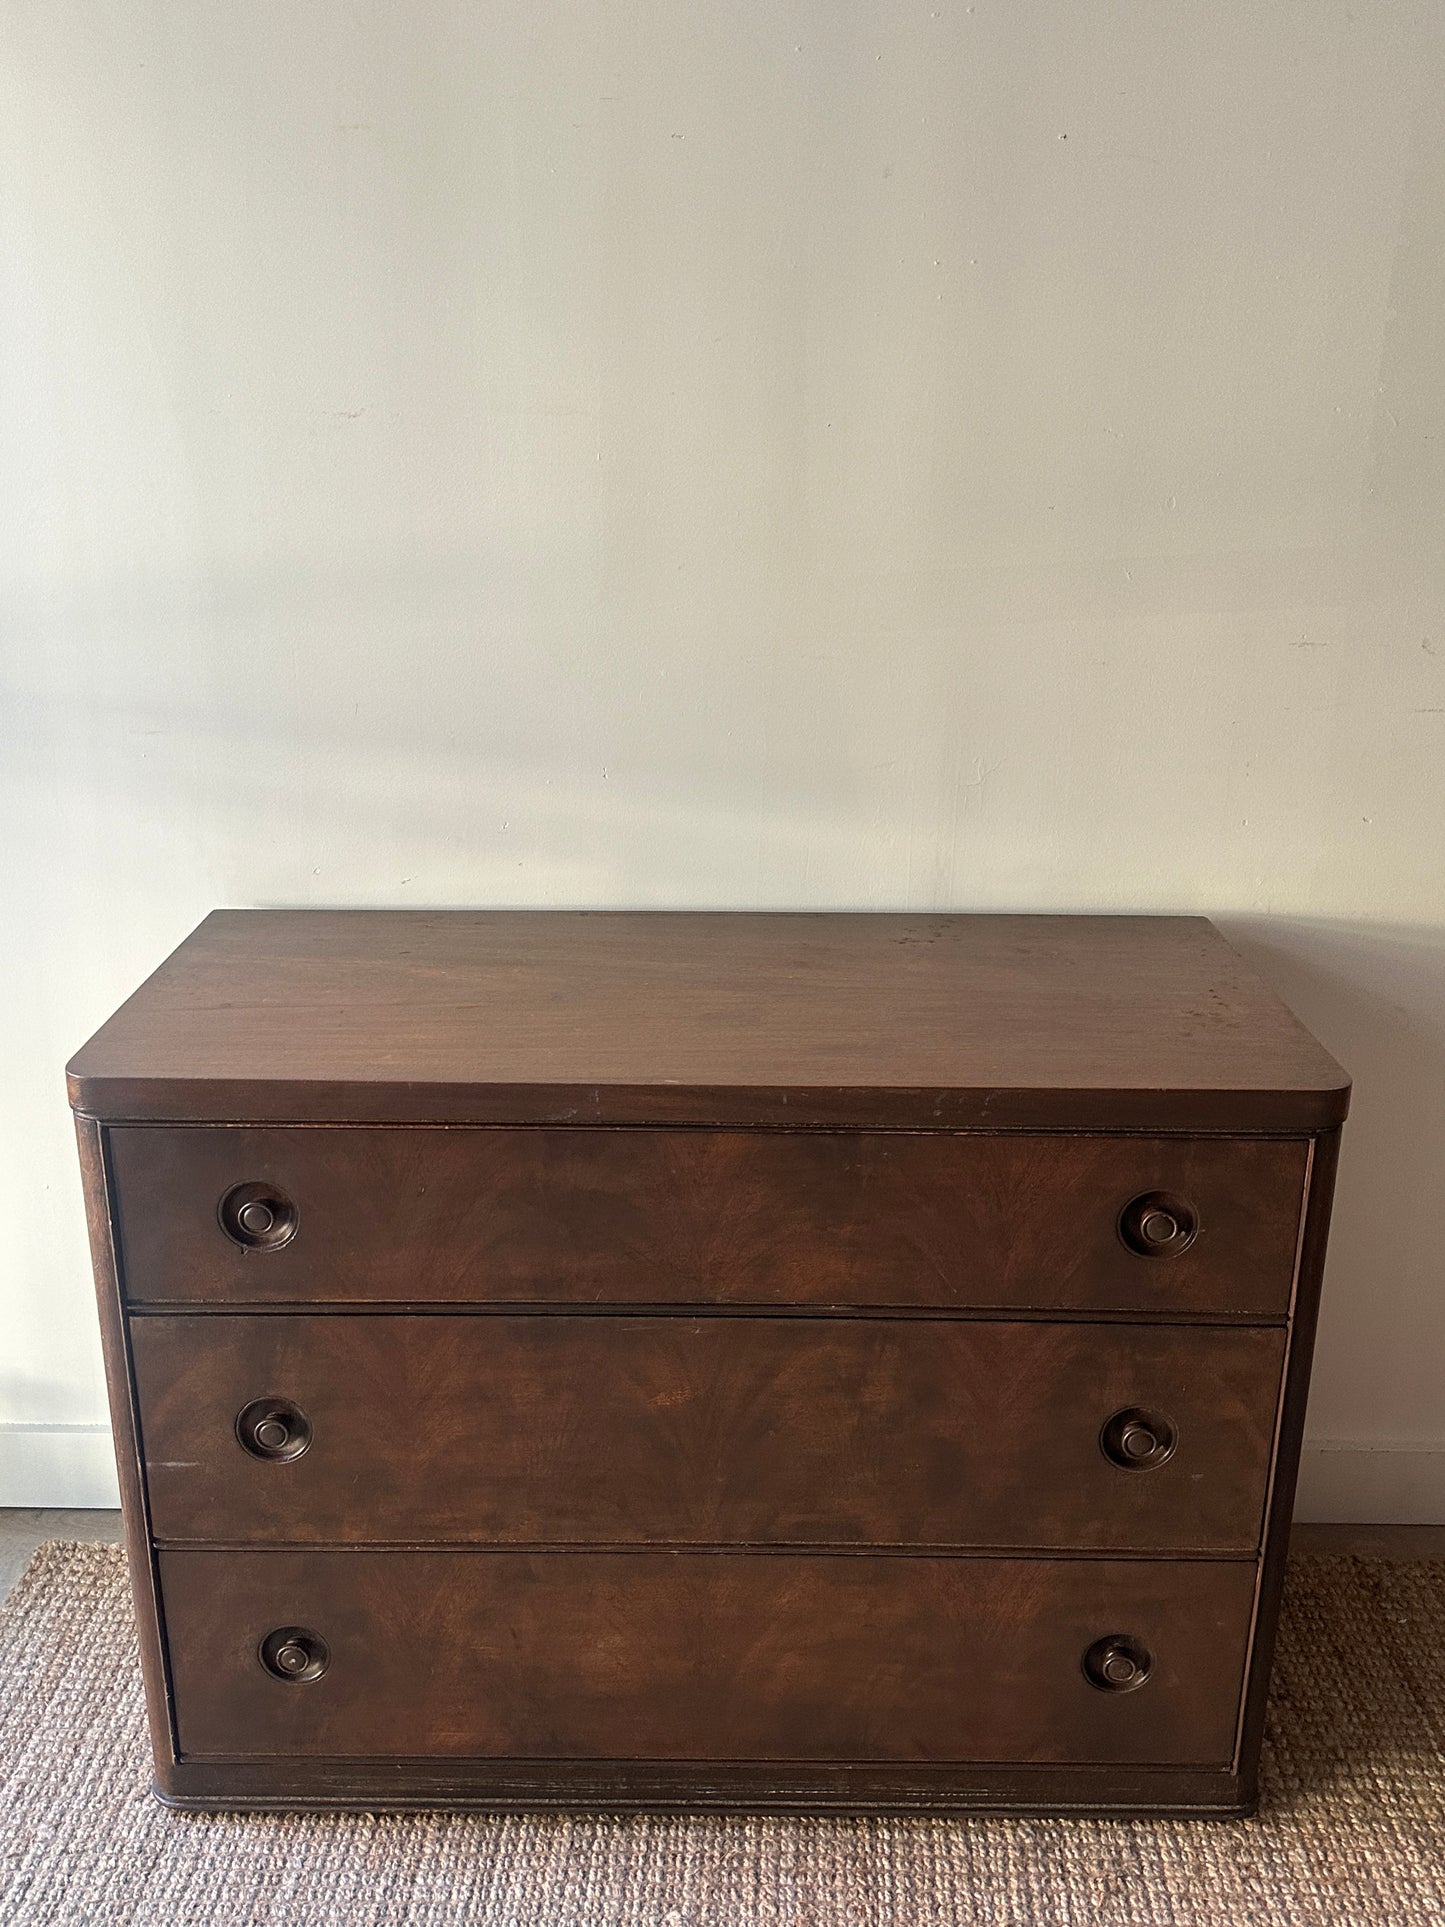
275	1215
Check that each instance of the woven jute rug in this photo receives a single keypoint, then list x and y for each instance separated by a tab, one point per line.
1352	1829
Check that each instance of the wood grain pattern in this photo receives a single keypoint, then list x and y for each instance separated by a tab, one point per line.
703	1328
723	1430
1084	1023
655	1656
654	1217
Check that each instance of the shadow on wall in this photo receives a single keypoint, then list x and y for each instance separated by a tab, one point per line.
1374	994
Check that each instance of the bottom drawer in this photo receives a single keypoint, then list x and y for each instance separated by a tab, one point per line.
705	1656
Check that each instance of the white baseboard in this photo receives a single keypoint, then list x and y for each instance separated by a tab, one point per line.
57	1465
1398	1485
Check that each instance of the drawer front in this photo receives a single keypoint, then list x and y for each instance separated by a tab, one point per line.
707	1217
721	1656
507	1429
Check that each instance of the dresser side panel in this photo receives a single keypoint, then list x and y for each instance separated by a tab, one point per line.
125	1431
1304	1319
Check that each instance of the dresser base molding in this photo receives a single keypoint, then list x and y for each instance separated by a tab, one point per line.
606	1786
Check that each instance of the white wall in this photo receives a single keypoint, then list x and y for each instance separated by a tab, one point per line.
618	452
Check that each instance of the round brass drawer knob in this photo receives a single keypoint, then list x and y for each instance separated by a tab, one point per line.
1137	1440
1118	1663
258	1217
1157	1224
273	1428
294	1652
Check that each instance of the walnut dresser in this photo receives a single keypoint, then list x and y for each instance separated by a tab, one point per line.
708	1360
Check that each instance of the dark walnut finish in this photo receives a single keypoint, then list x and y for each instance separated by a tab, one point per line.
707	1360
619	1217
599	1017
751	1656
705	1431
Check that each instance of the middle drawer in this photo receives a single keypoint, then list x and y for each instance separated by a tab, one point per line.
565	1429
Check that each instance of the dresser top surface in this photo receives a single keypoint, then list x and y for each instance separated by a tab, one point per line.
600	1017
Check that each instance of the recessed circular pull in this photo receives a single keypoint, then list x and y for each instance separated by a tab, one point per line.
1157	1224
1137	1440
1118	1663
273	1428
294	1652
258	1216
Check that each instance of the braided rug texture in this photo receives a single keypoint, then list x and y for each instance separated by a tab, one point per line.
1351	1833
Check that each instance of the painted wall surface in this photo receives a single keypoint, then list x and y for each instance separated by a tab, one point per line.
778	453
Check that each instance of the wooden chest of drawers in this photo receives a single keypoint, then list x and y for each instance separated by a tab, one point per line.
706	1360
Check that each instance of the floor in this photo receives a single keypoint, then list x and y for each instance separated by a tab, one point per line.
22	1529
1372	1542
